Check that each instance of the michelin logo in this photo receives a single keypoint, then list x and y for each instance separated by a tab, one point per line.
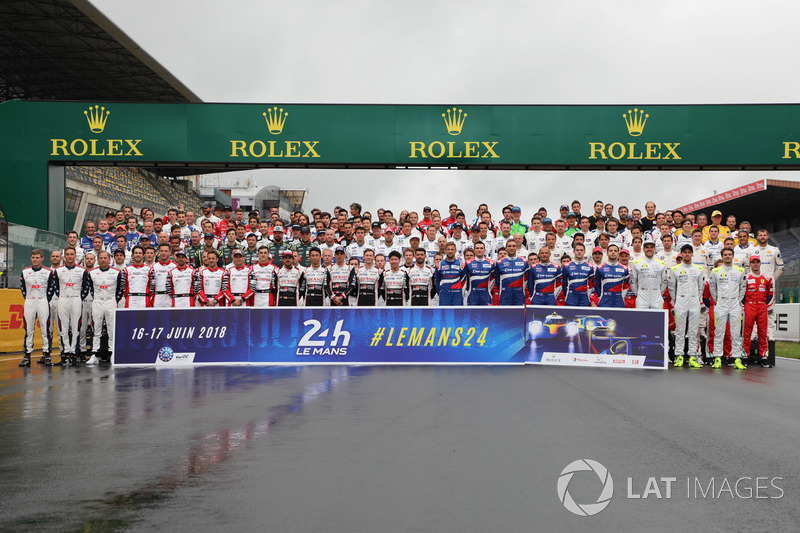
167	356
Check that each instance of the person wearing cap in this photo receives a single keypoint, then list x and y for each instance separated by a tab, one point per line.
238	293
716	220
759	299
326	240
572	224
303	245
518	226
181	282
426	218
294	236
213	281
649	279
685	284
597	257
288	285
375	238
277	246
388	244
610	279
161	270
341	278
563	211
727	286
120	259
458	236
208	214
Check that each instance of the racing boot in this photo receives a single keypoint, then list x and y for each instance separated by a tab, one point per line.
765	363
73	359
47	360
694	363
64	360
738	365
41	360
26	360
717	363
678	360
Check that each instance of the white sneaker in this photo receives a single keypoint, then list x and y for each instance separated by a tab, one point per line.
92	360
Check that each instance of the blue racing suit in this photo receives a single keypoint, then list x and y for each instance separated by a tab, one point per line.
449	282
608	283
478	278
578	282
509	274
544	281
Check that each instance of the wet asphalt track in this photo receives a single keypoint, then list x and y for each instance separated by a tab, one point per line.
391	449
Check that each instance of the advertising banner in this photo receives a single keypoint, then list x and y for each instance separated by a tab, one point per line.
596	337
787	322
12	323
325	335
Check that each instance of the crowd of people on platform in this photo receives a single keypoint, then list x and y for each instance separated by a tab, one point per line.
708	273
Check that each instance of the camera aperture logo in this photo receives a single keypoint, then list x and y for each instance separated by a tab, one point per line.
587	509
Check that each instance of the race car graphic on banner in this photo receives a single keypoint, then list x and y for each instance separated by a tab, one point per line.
596	336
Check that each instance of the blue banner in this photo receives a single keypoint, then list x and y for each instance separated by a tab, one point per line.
324	335
596	336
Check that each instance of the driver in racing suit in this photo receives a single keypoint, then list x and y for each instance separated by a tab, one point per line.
727	287
686	282
759	297
649	279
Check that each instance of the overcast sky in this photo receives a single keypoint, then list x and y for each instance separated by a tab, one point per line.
468	52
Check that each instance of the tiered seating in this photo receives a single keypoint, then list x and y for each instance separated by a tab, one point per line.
121	185
191	201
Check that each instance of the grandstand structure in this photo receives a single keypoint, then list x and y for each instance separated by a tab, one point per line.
770	204
93	191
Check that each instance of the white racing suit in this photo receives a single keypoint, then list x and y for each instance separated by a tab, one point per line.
686	283
137	283
648	282
162	298
261	279
86	320
727	286
182	286
72	285
106	289
38	288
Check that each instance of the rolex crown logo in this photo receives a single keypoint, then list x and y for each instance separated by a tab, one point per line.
635	121
275	118
97	116
454	120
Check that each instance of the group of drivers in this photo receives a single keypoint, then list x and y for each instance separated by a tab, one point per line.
661	260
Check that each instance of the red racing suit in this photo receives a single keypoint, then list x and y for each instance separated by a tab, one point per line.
758	300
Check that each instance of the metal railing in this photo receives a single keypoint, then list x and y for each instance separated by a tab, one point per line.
16	244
